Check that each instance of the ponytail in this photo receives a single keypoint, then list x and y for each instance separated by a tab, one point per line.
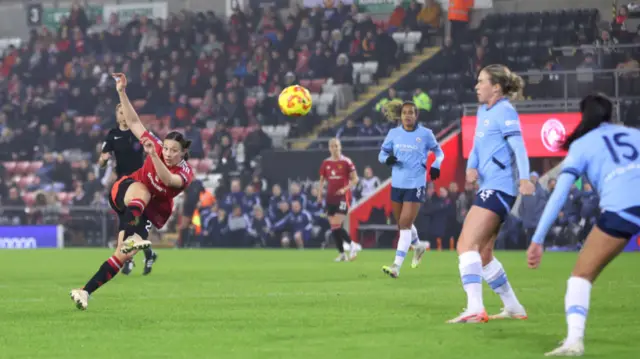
596	109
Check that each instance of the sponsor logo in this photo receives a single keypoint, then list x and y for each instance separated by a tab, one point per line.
553	134
18	242
154	183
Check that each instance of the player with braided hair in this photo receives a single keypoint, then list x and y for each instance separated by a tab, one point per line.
405	149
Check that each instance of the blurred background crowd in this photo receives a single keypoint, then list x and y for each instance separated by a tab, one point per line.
217	79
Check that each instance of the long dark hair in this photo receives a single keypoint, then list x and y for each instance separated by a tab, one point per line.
184	143
596	109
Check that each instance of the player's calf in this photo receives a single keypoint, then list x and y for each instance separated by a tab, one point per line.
298	238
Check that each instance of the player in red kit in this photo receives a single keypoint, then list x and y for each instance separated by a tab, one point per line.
145	197
340	174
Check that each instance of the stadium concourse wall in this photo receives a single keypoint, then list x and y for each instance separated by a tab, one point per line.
453	169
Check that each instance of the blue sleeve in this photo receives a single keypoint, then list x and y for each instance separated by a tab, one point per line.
509	122
574	163
251	229
473	161
309	225
437	150
554	206
281	223
522	159
386	149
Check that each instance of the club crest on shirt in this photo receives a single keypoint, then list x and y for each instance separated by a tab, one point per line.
418	139
486	122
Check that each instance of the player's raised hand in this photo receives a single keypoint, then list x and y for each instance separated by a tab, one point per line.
534	255
472	175
149	146
527	187
121	81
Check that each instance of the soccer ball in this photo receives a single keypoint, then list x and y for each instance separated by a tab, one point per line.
295	101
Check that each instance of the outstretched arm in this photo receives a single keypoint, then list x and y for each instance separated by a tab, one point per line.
130	115
553	207
169	179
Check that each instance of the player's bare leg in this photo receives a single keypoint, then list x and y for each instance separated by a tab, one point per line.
285	241
297	237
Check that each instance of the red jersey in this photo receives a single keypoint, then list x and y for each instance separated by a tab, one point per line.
337	174
160	206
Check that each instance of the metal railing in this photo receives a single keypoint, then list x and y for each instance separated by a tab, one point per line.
595	47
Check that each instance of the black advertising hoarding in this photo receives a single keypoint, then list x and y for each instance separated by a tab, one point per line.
273	4
304	166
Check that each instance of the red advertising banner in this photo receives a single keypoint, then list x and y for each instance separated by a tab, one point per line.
543	133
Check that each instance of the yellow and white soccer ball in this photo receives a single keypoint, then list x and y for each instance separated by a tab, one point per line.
295	101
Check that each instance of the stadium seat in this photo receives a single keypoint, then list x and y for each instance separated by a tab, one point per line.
22	167
305	83
250	103
148	119
412	41
205	166
316	85
34	167
207	133
195	102
10	166
194	162
236	133
29	198
138	104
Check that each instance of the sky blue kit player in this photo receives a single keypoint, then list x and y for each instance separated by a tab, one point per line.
608	155
409	172
499	163
499	155
406	149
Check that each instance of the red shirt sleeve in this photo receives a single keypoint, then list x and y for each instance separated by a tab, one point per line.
322	170
186	173
350	165
157	142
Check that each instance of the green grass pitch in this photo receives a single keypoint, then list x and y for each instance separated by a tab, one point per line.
297	304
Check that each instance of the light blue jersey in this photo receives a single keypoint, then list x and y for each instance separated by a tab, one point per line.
609	156
498	149
411	148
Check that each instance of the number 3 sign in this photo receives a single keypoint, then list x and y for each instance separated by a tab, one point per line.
34	14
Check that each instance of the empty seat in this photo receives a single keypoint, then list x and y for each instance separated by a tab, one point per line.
207	133
22	167
35	166
205	166
195	102
10	166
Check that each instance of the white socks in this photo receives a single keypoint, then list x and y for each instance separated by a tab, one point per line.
576	305
403	246
495	276
471	276
414	235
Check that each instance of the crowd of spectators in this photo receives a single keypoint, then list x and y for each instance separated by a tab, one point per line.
196	72
256	215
